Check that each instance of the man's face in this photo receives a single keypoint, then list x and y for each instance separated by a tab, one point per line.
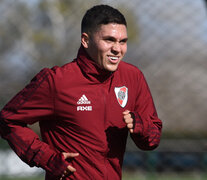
108	45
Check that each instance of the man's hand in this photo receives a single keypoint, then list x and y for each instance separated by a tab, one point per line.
69	169
128	120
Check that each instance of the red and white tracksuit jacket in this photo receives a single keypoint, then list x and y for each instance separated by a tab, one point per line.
79	109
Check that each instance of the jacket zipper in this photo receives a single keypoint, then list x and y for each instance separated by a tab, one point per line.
105	123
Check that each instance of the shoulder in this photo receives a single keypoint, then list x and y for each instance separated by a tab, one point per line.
58	71
62	70
55	74
129	69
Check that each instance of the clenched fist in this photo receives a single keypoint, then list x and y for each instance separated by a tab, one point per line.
128	119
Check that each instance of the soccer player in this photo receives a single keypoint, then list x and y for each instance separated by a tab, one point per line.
86	108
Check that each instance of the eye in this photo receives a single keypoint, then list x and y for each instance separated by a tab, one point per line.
109	39
124	41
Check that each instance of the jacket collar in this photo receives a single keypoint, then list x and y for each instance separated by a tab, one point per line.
90	68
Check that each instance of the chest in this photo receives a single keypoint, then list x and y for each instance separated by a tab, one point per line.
97	106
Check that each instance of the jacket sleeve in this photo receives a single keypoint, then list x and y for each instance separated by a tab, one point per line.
34	103
147	125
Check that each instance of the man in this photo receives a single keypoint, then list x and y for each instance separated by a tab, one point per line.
86	108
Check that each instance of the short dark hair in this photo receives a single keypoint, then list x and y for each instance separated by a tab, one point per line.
99	15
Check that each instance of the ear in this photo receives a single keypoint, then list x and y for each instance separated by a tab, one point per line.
85	40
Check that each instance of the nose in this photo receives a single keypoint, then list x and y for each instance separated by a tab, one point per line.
116	48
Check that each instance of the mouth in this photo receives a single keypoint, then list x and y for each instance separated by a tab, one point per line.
113	59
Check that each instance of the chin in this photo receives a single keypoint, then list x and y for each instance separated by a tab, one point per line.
111	69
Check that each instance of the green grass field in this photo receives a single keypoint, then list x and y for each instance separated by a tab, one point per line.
139	176
165	176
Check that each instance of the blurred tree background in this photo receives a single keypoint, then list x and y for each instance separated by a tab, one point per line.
39	34
167	41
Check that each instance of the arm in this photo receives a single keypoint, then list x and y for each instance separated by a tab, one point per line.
143	122
34	103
